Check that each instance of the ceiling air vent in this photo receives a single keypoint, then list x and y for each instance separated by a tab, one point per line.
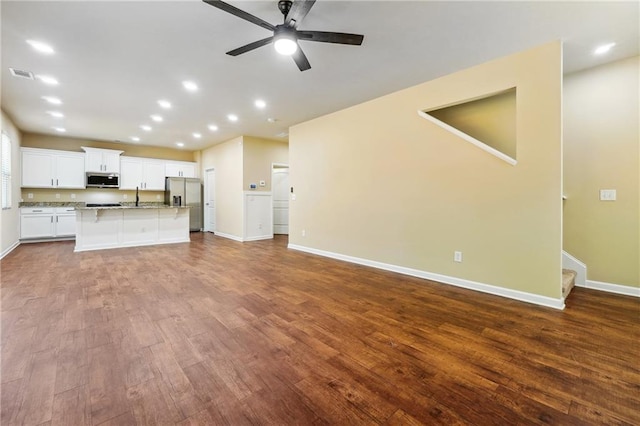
21	73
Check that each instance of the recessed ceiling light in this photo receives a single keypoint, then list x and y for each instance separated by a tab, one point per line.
145	128
47	79
164	103
180	144
272	120
604	48
156	118
259	103
190	86
213	127
60	129
197	135
232	117
52	100
56	114
135	138
41	47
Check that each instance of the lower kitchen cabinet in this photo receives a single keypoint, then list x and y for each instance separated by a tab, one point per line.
65	222
47	222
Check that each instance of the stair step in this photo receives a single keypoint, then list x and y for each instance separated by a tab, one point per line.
568	281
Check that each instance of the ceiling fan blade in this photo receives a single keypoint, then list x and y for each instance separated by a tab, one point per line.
330	37
298	11
301	60
240	14
248	47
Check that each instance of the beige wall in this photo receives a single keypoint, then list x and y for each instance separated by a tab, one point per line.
238	163
34	140
378	182
259	155
226	159
601	151
10	218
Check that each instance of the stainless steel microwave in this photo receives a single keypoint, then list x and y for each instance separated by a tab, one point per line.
102	180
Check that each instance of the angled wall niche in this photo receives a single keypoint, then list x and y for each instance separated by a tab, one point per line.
488	122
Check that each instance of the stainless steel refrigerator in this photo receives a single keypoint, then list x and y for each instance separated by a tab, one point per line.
185	192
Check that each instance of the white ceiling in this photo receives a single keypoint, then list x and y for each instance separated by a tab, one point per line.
114	60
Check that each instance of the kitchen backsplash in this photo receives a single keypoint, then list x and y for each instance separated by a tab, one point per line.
96	195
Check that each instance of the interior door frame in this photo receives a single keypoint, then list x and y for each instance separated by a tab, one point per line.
275	166
207	220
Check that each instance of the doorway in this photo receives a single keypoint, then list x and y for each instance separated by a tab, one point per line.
280	191
210	201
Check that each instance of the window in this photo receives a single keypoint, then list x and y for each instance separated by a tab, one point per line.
6	171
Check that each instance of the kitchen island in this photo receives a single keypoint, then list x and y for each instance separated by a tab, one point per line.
105	227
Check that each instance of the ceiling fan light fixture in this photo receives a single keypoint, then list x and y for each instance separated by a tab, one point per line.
285	44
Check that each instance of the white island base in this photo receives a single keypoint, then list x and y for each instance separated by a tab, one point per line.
113	227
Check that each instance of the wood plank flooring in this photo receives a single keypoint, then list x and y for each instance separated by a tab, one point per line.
221	332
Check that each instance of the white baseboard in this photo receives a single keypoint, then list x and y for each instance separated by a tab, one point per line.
228	236
9	249
612	288
458	282
260	237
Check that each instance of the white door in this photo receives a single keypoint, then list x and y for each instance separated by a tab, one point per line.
210	201
280	190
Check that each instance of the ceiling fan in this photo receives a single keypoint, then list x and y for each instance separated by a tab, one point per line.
286	36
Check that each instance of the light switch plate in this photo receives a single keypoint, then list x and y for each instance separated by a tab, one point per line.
263	183
608	195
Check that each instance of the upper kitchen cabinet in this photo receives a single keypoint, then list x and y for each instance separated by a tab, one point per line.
102	160
180	169
143	173
46	168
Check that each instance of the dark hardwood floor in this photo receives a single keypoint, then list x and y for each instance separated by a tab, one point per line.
221	332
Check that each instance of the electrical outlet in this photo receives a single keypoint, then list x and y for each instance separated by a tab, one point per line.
30	195
73	196
304	233
293	197
124	196
259	226
58	196
457	256
607	195
158	197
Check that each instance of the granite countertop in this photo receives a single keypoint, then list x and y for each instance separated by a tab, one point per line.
133	206
82	205
50	204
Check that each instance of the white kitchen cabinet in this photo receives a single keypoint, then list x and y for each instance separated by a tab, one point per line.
180	169
145	173
47	168
102	160
65	222
37	222
47	222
